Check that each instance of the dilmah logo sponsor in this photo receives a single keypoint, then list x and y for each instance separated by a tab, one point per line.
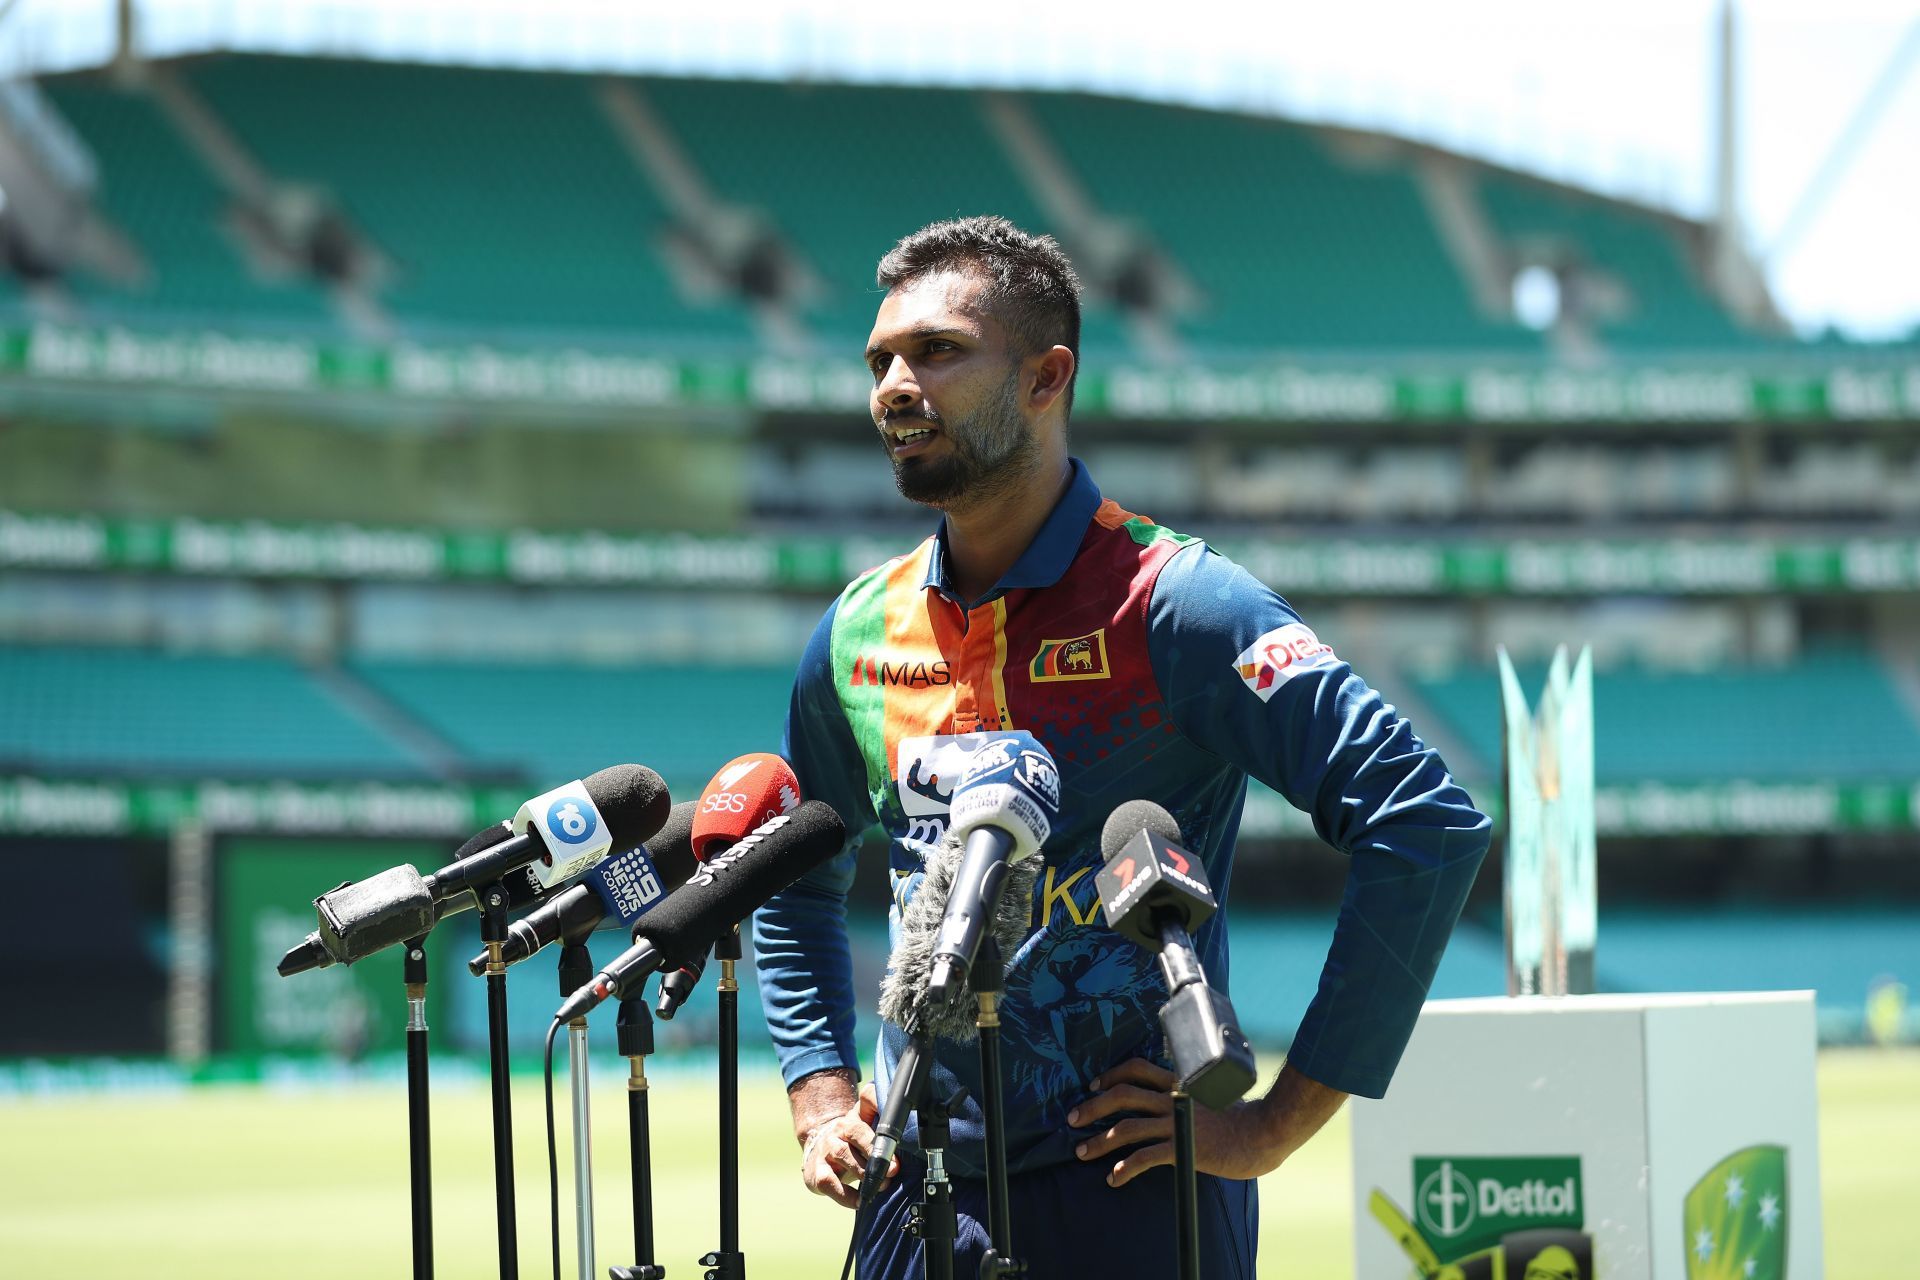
1519	1216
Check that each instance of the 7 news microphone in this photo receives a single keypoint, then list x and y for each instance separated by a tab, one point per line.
1156	893
612	895
718	896
552	839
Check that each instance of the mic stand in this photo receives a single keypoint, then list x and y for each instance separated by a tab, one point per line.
727	1262
576	971
1186	1186
493	932
413	973
934	1219
636	1042
987	979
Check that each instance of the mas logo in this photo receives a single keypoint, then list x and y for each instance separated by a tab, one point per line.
1519	1217
1081	658
901	673
1279	655
1736	1218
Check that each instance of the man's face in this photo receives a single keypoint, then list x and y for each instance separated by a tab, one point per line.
946	393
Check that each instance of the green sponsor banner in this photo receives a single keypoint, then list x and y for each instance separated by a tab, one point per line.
1736	1218
1516	567
70	806
265	891
1466	1204
1811	386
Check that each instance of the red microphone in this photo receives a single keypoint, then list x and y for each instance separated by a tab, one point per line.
748	791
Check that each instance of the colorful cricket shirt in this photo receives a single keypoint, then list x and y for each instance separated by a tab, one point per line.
1151	667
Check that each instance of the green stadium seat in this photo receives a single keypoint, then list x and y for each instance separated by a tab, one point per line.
549	723
1668	305
1835	715
123	711
158	193
1289	247
505	200
845	172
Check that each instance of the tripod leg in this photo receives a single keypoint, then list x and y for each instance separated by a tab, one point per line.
419	1136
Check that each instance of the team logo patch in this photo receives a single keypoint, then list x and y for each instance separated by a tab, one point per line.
1081	658
1279	655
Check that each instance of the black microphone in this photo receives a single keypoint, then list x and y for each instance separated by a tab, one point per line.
523	888
1156	893
1003	809
556	836
614	894
718	896
910	1078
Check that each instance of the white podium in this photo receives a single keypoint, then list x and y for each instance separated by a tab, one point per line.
1644	1137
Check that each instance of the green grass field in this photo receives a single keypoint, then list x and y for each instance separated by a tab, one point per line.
258	1181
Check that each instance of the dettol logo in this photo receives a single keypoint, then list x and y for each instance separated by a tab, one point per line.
1464	1203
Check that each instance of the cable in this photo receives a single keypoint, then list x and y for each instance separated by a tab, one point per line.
853	1245
553	1155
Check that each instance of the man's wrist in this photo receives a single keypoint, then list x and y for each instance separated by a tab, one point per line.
820	1096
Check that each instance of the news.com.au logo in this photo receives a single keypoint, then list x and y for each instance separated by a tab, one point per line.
571	819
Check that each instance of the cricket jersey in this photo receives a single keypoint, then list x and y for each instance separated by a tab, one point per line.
1152	668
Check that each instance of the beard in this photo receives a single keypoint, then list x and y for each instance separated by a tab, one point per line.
988	451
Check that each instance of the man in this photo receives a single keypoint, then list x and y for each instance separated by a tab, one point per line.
1150	667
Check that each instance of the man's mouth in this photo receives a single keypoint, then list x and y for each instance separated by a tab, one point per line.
906	438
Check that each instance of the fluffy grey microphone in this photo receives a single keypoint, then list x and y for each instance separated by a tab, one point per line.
903	990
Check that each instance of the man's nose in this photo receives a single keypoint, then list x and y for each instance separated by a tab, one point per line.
898	388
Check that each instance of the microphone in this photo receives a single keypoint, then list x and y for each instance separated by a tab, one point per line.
522	887
565	831
615	893
746	792
718	897
1003	809
1156	893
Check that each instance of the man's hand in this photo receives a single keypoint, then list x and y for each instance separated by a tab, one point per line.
1244	1141
836	1135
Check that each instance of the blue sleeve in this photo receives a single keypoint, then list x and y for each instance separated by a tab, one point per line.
800	936
1243	677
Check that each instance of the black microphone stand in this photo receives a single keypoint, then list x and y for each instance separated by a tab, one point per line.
413	973
1186	1186
988	979
576	971
934	1218
727	1262
493	932
636	1042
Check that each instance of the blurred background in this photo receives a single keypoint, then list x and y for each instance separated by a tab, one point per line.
406	408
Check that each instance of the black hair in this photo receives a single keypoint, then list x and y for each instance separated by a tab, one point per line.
1031	286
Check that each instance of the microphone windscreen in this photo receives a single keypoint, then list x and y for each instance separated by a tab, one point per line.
903	990
744	794
1129	820
485	838
732	884
630	883
633	800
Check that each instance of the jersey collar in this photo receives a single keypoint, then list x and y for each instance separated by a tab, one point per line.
1047	557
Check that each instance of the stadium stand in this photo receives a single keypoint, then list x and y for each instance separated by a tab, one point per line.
828	164
504	199
549	723
160	195
1289	247
1666	306
505	203
1834	715
127	711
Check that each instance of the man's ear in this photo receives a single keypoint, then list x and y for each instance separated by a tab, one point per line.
1048	376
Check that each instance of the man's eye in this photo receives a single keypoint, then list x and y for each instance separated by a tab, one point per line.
879	364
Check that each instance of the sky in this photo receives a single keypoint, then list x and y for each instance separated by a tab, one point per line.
1616	96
